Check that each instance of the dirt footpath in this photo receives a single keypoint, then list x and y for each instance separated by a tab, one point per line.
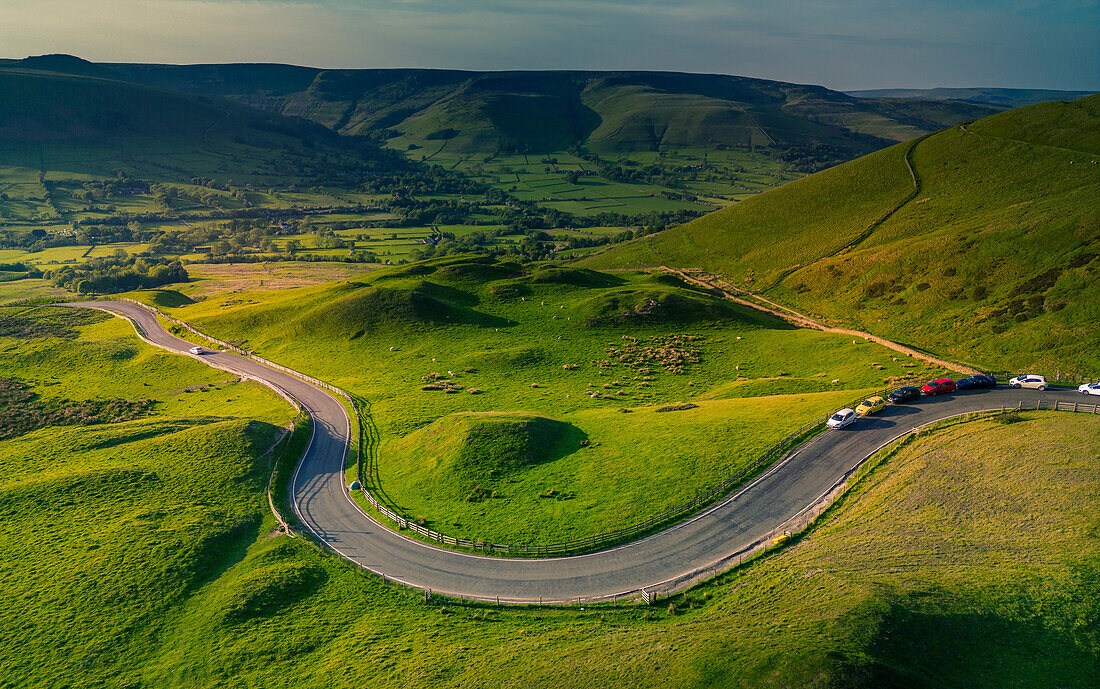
728	291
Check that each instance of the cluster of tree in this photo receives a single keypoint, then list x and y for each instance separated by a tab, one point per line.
811	157
119	273
107	234
359	256
109	187
425	179
535	245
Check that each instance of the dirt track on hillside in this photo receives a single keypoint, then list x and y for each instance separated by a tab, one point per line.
728	291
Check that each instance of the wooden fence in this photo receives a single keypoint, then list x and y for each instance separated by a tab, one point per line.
608	538
627	533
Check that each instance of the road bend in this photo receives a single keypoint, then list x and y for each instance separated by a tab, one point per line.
732	525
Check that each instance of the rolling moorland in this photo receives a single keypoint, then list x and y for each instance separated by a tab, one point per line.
583	143
713	137
500	390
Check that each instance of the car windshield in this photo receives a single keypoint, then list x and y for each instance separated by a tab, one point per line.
837	417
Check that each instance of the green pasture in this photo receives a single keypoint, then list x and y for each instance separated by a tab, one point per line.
550	343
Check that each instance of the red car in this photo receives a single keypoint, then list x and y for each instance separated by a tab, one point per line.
939	386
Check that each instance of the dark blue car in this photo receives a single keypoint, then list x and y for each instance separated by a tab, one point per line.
976	381
905	394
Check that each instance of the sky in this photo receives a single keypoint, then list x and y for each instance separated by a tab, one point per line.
841	44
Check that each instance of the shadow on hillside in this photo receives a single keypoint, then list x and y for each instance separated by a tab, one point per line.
936	638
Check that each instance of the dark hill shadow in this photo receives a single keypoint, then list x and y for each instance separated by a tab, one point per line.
936	638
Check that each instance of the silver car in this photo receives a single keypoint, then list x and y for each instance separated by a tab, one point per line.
842	418
1089	389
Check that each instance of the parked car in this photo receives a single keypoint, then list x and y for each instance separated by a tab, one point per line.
198	350
905	394
871	405
1089	389
842	418
1029	380
976	381
939	386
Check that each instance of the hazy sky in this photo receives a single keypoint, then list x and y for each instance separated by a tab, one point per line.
842	44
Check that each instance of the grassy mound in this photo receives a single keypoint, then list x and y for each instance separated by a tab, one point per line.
358	308
267	589
407	271
577	277
166	298
654	306
479	448
480	271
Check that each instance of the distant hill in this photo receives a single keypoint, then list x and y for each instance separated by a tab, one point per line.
63	64
61	120
548	111
989	251
992	97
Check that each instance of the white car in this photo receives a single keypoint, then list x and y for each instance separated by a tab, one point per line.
842	418
198	350
1089	389
1029	380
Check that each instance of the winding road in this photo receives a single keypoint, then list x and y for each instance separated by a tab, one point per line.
709	540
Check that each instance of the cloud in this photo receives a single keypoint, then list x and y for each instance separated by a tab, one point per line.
838	43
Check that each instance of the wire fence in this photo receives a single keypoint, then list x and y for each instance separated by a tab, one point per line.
774	538
243	352
779	535
704	498
1059	378
599	541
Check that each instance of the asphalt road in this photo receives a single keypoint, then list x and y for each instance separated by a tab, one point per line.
737	522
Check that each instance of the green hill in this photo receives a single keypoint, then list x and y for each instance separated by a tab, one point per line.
87	123
987	251
554	110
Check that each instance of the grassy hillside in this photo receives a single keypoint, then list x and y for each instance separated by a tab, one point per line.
900	586
89	124
433	347
1004	599
965	560
551	111
112	521
988	257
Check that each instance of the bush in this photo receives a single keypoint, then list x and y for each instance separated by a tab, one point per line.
117	274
